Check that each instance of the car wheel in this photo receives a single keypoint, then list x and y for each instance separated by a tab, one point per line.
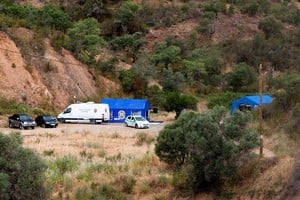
32	127
92	121
126	124
21	127
63	120
136	126
10	125
44	125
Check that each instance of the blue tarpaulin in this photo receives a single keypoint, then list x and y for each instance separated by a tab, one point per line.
250	102
121	108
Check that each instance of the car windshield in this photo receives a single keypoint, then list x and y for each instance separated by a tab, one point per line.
140	119
48	118
25	118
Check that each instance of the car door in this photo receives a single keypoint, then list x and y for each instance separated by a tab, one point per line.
15	119
130	121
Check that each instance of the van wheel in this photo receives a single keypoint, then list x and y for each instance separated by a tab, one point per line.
21	127
63	120
126	124
92	121
10	125
135	126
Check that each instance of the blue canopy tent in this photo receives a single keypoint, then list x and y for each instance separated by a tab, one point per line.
249	102
121	108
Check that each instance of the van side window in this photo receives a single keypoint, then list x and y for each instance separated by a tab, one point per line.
68	110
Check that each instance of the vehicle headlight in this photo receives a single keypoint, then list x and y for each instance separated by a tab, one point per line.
25	122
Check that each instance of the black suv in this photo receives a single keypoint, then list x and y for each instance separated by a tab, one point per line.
21	121
46	121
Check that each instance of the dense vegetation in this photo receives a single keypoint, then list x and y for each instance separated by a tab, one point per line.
21	170
208	148
186	69
86	27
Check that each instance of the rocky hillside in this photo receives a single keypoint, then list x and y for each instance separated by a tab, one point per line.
55	83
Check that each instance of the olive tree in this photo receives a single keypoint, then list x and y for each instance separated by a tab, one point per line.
209	145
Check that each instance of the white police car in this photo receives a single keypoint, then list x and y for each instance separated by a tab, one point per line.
136	121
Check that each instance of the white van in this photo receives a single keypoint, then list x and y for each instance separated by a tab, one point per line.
88	112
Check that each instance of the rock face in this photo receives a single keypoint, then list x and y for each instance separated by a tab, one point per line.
53	79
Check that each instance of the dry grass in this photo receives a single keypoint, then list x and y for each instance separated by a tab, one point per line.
104	154
123	158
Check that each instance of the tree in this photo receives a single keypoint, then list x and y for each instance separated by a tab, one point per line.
21	171
127	17
270	26
127	79
166	54
53	17
171	81
242	75
177	102
208	146
84	37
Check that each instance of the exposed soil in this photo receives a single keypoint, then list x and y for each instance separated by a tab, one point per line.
54	80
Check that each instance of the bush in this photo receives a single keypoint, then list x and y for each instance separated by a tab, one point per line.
270	26
251	9
53	17
127	17
178	102
84	37
12	106
222	99
97	191
21	171
242	76
208	146
65	164
287	90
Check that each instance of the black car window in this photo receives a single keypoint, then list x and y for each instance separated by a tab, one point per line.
48	118
68	110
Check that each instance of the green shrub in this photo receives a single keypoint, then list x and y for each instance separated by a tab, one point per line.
144	138
84	37
251	9
98	191
177	102
270	26
207	147
21	171
128	182
12	106
222	99
241	77
206	26
53	17
65	164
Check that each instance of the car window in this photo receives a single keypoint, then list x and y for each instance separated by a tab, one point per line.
25	117
68	110
140	118
48	118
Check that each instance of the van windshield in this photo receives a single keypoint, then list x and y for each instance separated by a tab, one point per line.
68	110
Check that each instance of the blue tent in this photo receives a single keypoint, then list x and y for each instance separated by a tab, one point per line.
121	108
249	102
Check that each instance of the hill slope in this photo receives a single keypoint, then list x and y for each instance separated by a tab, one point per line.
52	80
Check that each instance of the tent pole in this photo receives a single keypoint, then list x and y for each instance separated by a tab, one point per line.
260	110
